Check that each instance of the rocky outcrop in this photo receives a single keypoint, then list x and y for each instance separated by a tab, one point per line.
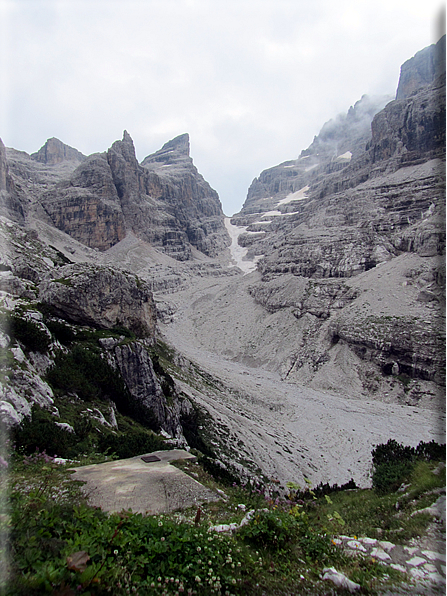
320	298
87	206
101	297
408	344
175	182
411	129
10	204
54	152
149	399
3	166
148	395
421	70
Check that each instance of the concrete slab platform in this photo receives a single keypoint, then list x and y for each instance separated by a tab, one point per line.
148	488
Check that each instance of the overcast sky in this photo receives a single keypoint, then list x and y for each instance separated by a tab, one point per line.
251	81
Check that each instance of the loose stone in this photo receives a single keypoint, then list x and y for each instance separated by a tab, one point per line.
416	561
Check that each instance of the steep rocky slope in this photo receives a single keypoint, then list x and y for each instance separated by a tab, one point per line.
350	240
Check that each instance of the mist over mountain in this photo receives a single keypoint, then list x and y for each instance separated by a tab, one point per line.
304	330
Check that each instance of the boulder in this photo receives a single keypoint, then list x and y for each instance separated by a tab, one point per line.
102	297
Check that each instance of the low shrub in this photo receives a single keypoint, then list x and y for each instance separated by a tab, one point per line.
84	372
271	529
393	462
316	546
131	445
388	476
62	332
218	471
323	489
40	433
28	333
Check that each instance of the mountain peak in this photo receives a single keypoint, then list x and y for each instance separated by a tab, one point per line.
55	151
179	144
175	151
127	138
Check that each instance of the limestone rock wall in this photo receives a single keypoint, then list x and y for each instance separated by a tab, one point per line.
99	199
325	226
422	69
137	370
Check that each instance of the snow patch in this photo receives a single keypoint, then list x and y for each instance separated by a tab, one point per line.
344	157
272	213
299	195
238	253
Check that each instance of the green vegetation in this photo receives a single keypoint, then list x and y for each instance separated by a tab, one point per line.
84	372
19	328
64	281
393	463
41	433
61	546
61	332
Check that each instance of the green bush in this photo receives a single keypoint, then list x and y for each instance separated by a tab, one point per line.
131	445
40	433
394	462
62	332
316	546
387	477
84	372
29	334
271	529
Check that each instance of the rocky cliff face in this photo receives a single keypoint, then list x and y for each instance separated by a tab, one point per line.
421	70
339	141
99	310
353	201
100	296
99	199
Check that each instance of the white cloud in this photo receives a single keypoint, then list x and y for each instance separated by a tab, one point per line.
252	82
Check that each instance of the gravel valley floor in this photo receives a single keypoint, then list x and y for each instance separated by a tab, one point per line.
287	430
